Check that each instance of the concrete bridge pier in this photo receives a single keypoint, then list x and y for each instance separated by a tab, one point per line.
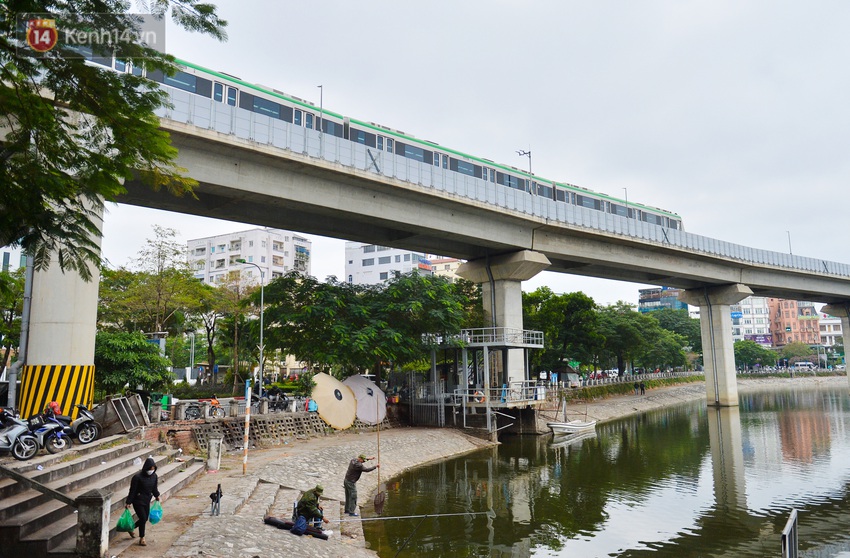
60	349
718	354
501	280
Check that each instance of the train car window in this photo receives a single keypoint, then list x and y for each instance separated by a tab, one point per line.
264	106
436	159
246	101
203	87
415	153
380	143
651	218
390	142
510	181
296	118
102	58
562	196
155	75
589	202
308	120
218	92
136	69
465	167
120	65
445	161
545	191
362	137
674	224
620	210
332	128
231	96
181	80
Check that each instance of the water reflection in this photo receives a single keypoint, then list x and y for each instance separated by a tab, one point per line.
683	481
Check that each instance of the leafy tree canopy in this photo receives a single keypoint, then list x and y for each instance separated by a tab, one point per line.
74	132
128	359
750	353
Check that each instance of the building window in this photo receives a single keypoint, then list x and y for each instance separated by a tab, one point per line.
369	248
398	258
385	260
407	257
250	244
384	275
262	259
350	279
368	261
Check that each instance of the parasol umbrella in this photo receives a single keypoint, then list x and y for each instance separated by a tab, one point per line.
371	401
337	405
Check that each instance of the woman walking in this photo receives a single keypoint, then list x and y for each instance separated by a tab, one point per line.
143	487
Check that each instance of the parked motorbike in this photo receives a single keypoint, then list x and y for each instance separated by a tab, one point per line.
49	432
15	436
85	428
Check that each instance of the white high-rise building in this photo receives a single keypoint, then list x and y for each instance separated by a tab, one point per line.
275	251
370	264
11	259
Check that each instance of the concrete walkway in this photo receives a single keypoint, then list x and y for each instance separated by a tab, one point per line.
275	479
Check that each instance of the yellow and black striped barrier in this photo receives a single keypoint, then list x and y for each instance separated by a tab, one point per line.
68	385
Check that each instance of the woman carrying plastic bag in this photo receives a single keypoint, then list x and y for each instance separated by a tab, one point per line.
143	487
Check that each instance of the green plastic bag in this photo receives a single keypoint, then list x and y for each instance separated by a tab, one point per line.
125	522
156	513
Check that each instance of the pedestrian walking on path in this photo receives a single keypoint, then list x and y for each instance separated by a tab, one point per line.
143	487
355	469
642	388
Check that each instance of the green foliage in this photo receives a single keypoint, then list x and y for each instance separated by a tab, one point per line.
750	353
797	351
569	323
626	388
73	132
128	359
639	338
358	327
11	308
678	321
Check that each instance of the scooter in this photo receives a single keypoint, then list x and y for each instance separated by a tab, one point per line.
49	432
15	437
85	428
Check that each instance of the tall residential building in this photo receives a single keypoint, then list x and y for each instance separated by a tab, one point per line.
793	321
660	297
370	264
275	251
751	321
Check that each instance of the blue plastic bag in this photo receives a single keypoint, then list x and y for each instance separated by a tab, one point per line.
156	513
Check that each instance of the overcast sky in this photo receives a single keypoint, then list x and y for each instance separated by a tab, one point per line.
732	114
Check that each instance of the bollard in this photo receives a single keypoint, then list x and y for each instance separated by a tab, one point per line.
264	406
233	410
215	447
205	409
180	411
93	523
156	411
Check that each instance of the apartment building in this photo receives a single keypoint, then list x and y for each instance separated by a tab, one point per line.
751	321
213	259
793	321
371	264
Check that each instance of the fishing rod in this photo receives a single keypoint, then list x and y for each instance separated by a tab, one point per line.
490	513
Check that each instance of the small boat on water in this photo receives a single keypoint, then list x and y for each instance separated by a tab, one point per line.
572	426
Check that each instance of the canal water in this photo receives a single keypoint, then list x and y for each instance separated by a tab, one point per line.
678	482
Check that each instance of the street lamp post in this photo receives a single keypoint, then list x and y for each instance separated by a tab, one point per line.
262	309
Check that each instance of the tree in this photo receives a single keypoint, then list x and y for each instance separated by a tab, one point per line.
750	353
678	321
569	323
158	296
74	132
796	352
128	359
11	309
361	326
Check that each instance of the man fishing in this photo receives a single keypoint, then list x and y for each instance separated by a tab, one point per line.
309	507
355	469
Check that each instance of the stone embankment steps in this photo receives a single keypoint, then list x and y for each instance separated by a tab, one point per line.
34	525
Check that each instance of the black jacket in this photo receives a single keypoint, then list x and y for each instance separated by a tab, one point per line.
143	487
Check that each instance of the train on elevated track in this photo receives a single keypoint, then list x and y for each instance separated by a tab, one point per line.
233	91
